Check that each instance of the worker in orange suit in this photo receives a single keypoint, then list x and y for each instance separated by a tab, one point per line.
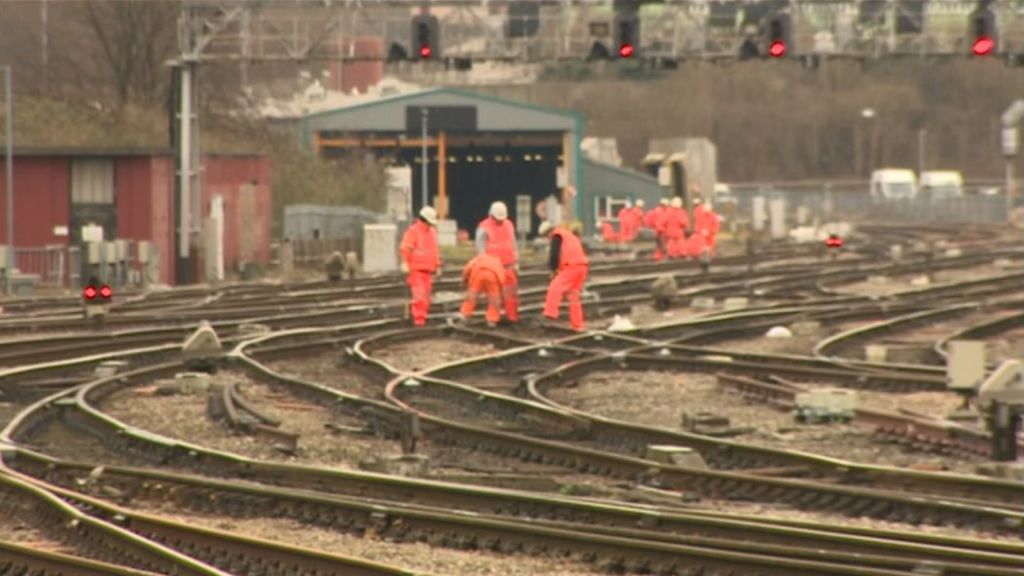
655	221
608	233
421	260
570	265
496	235
673	228
483	275
706	226
627	223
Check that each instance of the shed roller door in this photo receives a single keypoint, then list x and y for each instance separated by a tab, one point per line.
92	181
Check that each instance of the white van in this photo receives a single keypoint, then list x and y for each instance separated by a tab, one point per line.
892	183
940	184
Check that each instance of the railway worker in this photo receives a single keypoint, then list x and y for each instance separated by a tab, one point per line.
706	225
483	275
638	218
627	223
569	264
496	235
673	228
608	233
421	260
654	220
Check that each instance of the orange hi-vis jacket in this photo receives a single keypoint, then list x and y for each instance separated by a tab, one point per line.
572	249
483	265
419	248
501	240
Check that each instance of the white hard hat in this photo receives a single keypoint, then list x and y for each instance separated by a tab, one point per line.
640	203
499	211
545	228
663	201
677	202
429	214
697	200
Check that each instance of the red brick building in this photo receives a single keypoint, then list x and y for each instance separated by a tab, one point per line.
130	193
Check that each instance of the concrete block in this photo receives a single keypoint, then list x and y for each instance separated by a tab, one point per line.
405	465
778	332
777	213
920	281
705	423
1004	470
805	328
192	382
447	231
380	249
953	253
876	353
736	302
676	456
203	343
760	213
703	303
109	368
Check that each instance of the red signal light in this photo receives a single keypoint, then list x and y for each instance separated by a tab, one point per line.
425	51
983	46
834	242
626	50
777	49
89	292
106	292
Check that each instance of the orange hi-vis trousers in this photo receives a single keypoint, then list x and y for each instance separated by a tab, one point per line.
510	294
483	283
421	287
567	283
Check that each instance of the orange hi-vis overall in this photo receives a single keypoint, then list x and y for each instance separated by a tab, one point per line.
673	229
501	242
420	253
483	275
568	282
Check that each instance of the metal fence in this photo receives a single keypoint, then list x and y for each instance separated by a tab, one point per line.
859	205
60	266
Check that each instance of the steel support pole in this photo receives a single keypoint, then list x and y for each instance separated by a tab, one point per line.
425	188
9	146
1009	188
185	177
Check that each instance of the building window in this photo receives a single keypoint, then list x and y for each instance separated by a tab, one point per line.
607	207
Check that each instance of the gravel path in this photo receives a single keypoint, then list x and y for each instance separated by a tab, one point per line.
901	283
660	399
824	519
324	369
423	354
411	556
1007	346
185	417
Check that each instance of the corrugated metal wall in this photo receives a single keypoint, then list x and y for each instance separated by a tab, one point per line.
41	201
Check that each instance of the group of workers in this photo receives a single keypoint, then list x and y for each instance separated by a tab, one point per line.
669	222
494	272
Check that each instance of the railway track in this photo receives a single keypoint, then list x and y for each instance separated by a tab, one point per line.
497	404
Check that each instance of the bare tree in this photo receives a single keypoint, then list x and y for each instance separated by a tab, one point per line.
136	38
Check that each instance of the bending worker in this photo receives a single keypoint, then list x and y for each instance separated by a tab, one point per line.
496	235
421	260
570	265
483	275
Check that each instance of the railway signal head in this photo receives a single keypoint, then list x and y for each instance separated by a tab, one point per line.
90	292
983	33
626	51
834	241
106	292
627	34
779	38
426	37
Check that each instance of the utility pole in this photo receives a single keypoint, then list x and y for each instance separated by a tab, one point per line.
9	148
425	188
922	136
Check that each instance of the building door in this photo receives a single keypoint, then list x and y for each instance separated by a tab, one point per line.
92	198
